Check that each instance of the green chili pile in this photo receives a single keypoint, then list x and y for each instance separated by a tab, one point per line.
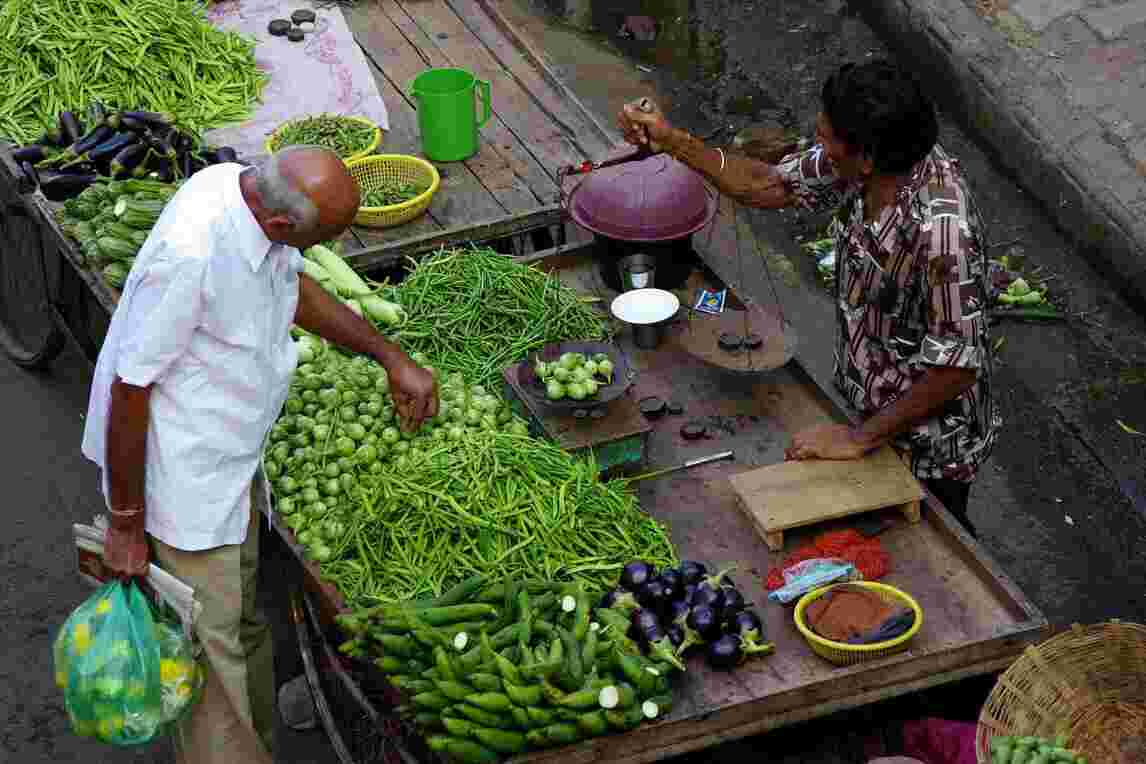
497	503
390	193
475	312
157	55
342	135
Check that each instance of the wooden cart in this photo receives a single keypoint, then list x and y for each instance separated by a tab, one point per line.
976	620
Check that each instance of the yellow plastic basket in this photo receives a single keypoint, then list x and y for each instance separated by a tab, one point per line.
272	143
843	654
376	171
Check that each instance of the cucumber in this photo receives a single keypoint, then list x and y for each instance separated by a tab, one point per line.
502	741
483	717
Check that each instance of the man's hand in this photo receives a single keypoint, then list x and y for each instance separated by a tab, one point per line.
826	441
644	128
126	553
415	393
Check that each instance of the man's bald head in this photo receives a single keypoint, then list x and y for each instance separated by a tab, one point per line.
306	195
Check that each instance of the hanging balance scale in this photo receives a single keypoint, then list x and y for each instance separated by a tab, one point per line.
648	204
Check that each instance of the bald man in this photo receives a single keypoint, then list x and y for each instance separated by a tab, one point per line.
195	368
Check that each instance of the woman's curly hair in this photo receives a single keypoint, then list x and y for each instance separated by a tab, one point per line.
879	109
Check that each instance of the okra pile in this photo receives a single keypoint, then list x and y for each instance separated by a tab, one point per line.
342	135
496	669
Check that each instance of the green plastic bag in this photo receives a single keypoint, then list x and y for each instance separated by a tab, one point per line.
126	671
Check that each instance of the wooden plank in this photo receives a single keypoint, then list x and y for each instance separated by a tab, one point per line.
502	164
531	113
793	494
524	47
460	197
387	255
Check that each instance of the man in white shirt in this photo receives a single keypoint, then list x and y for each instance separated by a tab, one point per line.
192	375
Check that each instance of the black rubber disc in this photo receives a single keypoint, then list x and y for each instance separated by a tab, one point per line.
730	342
676	409
753	341
652	407
302	15
295	35
693	431
279	27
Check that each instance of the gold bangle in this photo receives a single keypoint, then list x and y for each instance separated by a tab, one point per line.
721	152
126	512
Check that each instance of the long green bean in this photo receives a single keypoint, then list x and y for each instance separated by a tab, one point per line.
565	523
155	55
475	312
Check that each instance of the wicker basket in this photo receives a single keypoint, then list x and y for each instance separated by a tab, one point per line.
376	171
272	142
1088	682
843	654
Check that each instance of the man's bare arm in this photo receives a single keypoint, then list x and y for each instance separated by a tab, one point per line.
128	421
319	312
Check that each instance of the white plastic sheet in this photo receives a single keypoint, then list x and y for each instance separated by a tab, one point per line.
326	72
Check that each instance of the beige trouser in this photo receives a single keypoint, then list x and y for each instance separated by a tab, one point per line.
234	722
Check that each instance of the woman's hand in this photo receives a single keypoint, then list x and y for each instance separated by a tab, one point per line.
644	128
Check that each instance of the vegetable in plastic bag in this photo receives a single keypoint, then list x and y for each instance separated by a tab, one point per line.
126	672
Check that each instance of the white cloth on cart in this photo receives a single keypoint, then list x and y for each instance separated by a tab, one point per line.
325	73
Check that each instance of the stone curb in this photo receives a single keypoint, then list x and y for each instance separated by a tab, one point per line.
1027	120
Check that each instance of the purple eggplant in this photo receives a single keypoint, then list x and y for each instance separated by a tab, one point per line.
635	574
747	626
725	653
678	611
643	621
225	154
704	621
675	634
688	593
674	581
710	596
733	600
619	599
654	595
692	572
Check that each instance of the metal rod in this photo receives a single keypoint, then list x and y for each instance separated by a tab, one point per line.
687	465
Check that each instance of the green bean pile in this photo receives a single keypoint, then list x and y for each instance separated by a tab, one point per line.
475	312
390	193
494	503
157	55
341	135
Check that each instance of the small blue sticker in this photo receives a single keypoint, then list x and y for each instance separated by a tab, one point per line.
708	301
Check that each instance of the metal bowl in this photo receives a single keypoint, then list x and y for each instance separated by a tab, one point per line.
534	388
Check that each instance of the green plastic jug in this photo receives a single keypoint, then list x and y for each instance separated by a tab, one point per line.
447	112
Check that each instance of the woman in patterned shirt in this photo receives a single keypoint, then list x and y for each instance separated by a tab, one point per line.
912	351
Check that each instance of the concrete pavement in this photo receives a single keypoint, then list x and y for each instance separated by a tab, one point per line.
1058	89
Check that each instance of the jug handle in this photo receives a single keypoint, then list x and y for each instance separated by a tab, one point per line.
484	94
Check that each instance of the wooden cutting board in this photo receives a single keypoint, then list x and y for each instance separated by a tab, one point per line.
795	494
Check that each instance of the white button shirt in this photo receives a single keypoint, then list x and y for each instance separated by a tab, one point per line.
205	320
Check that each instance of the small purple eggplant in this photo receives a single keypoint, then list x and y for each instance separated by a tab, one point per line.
644	621
692	572
673	580
635	574
689	593
675	634
678	611
653	595
725	653
710	596
733	600
704	621
747	627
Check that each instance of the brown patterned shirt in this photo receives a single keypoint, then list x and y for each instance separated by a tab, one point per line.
911	293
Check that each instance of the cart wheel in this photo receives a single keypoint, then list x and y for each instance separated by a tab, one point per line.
28	330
